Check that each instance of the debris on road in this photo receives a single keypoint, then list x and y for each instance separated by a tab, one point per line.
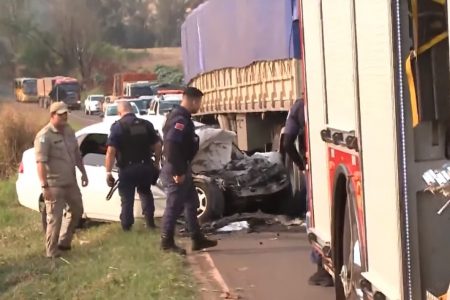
235	226
254	222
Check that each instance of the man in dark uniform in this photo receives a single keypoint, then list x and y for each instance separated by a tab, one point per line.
133	142
295	128
180	146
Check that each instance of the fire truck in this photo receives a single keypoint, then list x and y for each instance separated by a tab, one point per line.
376	88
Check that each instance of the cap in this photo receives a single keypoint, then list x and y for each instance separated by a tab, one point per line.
59	108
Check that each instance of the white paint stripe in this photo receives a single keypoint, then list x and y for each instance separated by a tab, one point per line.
215	272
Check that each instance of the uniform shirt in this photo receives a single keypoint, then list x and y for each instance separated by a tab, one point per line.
114	138
295	122
59	152
180	141
295	126
116	135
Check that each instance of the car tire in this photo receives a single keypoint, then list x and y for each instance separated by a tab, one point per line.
212	201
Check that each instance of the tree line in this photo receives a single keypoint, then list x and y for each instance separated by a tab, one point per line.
44	37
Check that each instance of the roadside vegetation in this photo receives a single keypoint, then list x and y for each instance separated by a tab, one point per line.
105	263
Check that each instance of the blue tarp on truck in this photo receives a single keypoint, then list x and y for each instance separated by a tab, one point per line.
235	33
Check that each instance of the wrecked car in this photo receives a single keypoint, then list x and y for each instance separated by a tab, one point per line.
226	180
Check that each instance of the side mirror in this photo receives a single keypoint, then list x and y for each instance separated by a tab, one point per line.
143	112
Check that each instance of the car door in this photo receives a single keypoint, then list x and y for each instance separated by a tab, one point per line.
93	149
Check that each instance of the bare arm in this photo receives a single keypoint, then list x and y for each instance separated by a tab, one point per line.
110	158
42	173
157	149
79	163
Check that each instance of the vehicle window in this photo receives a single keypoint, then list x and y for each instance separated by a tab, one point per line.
94	159
111	111
97	98
94	143
137	91
167	105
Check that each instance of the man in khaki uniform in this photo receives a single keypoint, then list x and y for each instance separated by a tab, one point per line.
57	155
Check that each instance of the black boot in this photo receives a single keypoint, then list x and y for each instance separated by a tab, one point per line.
321	277
168	245
199	242
150	223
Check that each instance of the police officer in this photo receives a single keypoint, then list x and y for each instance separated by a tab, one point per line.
180	146
57	155
295	128
132	142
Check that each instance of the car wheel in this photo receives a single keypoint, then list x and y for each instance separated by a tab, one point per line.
211	201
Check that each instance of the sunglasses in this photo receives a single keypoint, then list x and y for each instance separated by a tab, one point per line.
63	114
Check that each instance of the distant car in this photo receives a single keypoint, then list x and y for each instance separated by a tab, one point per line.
93	104
111	113
160	107
141	103
226	180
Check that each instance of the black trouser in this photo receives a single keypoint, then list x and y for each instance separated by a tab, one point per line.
140	177
180	197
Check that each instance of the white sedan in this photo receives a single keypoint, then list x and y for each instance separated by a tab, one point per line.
92	141
222	177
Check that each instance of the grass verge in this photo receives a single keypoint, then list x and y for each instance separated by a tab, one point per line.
105	263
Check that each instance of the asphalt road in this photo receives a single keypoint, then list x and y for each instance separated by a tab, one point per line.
81	118
267	266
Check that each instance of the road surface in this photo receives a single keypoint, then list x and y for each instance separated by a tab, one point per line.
261	266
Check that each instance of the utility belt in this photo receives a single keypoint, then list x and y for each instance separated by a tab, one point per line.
123	165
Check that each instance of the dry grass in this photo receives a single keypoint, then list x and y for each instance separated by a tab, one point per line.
18	127
148	59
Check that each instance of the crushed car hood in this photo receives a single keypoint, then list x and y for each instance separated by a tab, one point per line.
259	174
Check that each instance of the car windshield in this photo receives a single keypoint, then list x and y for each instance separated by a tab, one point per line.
167	105
137	91
71	87
112	110
141	104
97	98
30	87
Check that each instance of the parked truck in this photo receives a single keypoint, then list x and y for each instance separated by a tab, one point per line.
250	79
131	84
376	77
59	88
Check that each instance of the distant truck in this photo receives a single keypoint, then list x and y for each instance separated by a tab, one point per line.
132	85
59	88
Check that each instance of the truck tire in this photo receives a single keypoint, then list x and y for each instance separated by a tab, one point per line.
349	263
212	201
295	206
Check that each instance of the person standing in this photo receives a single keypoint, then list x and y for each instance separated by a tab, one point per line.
132	143
57	155
295	129
180	146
